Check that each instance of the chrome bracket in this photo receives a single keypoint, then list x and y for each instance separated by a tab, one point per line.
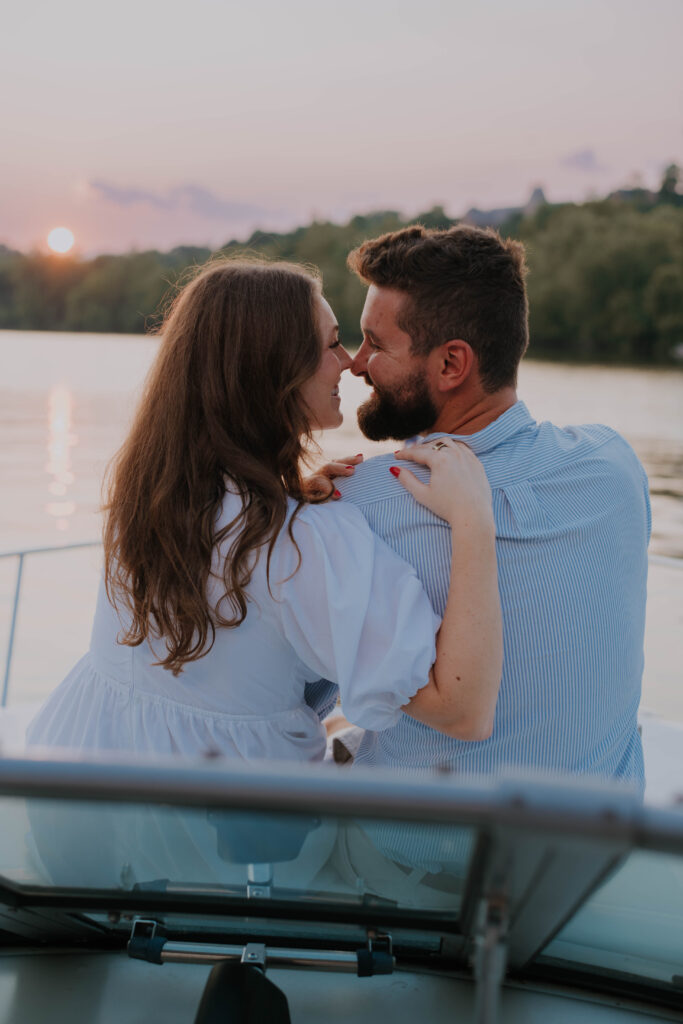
143	928
259	881
146	940
490	958
378	955
381	939
255	954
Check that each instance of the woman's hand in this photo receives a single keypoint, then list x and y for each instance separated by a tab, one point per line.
458	490
320	485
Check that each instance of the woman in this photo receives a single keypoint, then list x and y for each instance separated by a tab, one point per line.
227	592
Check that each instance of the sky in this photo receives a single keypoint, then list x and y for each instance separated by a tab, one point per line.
142	124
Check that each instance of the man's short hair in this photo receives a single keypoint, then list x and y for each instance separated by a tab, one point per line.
465	283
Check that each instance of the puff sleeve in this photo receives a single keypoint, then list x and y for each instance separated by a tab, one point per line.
354	612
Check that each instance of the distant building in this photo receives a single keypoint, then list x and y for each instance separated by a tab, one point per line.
639	196
494	218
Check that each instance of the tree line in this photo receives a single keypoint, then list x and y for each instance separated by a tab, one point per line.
605	277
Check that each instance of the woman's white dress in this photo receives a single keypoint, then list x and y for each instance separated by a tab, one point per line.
353	613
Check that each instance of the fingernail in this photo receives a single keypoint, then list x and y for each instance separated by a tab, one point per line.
350	467
394	470
398	452
337	494
360	455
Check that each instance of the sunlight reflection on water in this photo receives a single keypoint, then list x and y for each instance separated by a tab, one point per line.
59	442
76	394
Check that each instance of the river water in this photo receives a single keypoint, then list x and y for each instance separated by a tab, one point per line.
65	401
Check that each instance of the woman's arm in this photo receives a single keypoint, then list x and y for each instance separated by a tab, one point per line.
460	697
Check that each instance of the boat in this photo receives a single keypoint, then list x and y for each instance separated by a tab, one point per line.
202	891
539	900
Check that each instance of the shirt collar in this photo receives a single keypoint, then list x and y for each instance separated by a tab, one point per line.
513	421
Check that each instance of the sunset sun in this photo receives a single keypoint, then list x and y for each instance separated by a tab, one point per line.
60	240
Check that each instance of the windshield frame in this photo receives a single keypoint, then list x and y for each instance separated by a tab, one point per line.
610	818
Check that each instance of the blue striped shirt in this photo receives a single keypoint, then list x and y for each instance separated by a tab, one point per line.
572	520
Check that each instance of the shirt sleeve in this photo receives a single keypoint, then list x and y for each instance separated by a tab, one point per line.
354	612
321	697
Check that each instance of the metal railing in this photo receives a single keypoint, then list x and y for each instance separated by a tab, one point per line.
673	563
21	556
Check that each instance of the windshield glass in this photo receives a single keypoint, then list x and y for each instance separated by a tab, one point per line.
128	847
578	878
632	924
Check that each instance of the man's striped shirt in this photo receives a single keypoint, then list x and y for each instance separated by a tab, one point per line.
573	522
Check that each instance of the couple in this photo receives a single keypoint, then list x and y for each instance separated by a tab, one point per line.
234	603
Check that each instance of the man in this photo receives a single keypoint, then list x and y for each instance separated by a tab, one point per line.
444	329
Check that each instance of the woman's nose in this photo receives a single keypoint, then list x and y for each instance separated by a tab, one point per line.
345	359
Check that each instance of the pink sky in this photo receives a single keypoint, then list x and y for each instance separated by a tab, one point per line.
158	124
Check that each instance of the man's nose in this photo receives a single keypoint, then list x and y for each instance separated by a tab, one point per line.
359	364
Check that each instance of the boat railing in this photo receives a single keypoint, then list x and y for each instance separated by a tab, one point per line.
22	554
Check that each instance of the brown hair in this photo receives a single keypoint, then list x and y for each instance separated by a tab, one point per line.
464	283
221	400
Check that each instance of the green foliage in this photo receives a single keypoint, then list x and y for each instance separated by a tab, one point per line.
605	280
668	192
40	286
116	295
326	246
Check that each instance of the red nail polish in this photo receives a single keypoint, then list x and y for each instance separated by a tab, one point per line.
337	494
350	467
394	470
360	455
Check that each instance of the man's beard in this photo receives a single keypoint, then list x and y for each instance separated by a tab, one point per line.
407	411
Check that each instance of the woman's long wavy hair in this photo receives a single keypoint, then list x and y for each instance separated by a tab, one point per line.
221	401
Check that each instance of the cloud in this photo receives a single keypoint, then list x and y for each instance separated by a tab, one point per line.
207	204
129	196
583	160
190	197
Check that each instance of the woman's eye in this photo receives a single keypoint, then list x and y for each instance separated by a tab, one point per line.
336	344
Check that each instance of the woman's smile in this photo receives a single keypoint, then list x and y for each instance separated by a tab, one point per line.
321	391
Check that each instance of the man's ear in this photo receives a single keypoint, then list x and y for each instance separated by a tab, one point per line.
454	362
